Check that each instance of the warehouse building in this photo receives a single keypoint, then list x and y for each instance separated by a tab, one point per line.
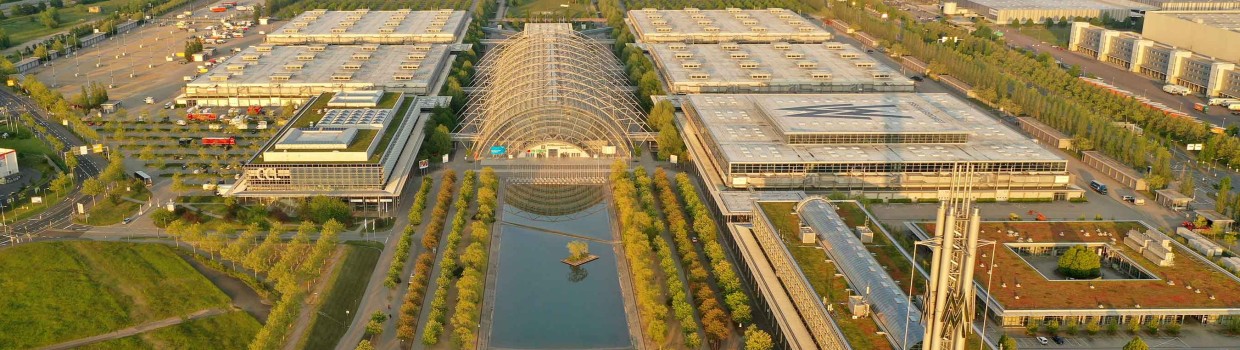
778	67
1210	33
884	146
692	25
1174	65
1193	5
269	75
371	27
358	145
1007	11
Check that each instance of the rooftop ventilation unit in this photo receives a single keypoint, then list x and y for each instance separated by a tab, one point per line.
263	48
293	67
850	55
833	46
235	67
291	31
880	75
699	76
659	22
865	64
404	11
421	47
353	17
348	23
748	64
807	64
794	55
351	66
416	56
249	57
387	30
691	65
739	55
300	24
760	76
750	22
370	47
342	76
820	75
730	46
711	29
806	29
758	29
697	16
782	46
219	77
677	46
438	23
705	23
361	56
280	76
317	48
663	29
339	30
402	76
733	10
410	65
683	55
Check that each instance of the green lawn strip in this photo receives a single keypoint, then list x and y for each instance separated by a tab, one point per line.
60	291
1053	36
348	284
232	330
862	332
108	212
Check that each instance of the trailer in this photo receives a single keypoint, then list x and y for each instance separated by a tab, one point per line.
219	141
219	9
1176	90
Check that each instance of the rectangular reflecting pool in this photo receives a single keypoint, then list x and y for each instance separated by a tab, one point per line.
542	303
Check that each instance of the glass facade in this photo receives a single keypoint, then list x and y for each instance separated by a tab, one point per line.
820	139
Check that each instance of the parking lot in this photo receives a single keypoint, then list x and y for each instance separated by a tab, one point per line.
136	63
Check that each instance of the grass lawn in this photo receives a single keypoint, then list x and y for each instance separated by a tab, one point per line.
348	283
22	29
108	212
1055	35
552	8
233	330
862	332
59	291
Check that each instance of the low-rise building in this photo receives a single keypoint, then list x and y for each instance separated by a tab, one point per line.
358	146
779	67
1193	5
1213	34
1045	134
269	75
1008	11
8	165
886	146
1173	65
400	27
693	25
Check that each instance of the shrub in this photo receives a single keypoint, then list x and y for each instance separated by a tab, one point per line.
1092	327
1080	262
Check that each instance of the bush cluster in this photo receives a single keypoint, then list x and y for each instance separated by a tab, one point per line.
449	263
411	307
637	228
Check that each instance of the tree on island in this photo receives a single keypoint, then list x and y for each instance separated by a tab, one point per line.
1080	262
578	250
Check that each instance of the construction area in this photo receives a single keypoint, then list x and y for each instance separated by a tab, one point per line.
778	67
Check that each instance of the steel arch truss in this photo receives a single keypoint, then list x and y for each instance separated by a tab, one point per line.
551	84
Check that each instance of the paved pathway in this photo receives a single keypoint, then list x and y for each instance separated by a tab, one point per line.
171	321
310	306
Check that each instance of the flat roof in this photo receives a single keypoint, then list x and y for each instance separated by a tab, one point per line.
770	64
294	137
1036	292
1226	20
1063	4
706	25
382	66
436	26
745	133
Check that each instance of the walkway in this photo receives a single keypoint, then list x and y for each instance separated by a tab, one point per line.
310	306
142	328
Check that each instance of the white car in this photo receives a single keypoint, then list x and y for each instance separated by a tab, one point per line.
1043	340
149	100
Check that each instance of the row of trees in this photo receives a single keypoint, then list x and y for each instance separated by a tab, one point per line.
448	263
443	120
411	308
710	305
637	226
663	120
706	229
406	237
682	306
55	104
470	286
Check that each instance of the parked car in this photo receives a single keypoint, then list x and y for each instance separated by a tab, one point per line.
1043	340
1057	339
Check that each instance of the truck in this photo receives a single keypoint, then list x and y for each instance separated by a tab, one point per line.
1098	187
219	9
254	110
203	115
219	141
1176	90
1233	107
1221	101
1201	107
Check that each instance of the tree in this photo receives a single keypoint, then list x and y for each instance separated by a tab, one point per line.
321	209
41	52
92	187
178	184
757	339
365	345
1136	344
1092	327
1080	262
578	250
50	18
1007	343
1224	193
1187	185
